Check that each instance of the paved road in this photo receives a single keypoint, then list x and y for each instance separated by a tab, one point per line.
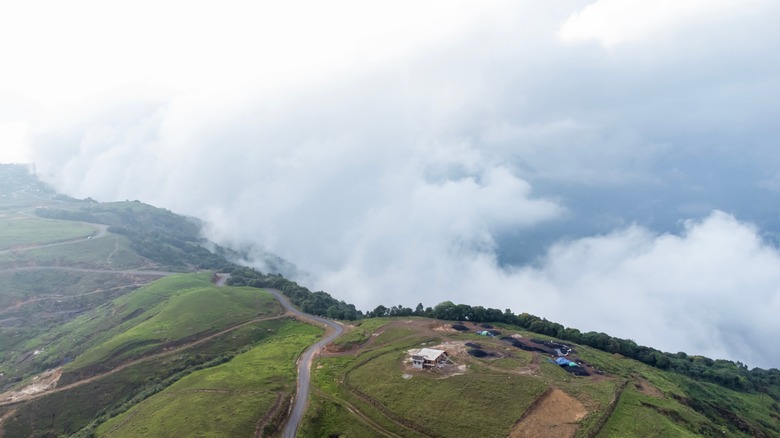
304	364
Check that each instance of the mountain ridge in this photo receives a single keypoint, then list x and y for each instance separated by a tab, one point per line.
92	304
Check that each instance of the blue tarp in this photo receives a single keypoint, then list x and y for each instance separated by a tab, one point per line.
562	361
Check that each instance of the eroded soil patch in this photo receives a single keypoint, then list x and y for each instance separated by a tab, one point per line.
557	415
647	388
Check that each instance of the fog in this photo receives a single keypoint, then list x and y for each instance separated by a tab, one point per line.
609	165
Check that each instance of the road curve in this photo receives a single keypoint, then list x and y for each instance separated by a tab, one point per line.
304	364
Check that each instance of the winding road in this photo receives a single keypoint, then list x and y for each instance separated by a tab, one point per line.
304	363
301	398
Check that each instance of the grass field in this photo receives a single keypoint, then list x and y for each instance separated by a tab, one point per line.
223	401
361	332
24	230
18	286
471	404
474	402
327	415
639	415
188	313
164	312
371	392
113	394
109	252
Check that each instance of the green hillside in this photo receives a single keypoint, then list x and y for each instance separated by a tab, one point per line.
114	322
226	400
371	389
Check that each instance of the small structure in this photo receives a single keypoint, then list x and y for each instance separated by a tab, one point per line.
428	358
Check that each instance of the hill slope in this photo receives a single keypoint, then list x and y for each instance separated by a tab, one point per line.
508	385
108	327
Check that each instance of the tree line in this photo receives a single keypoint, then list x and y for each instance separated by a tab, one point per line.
733	375
317	303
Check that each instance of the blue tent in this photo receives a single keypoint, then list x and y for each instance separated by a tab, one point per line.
562	361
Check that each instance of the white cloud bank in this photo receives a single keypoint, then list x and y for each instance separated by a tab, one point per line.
712	290
387	153
612	22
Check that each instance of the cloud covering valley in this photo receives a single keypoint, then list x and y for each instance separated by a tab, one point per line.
609	165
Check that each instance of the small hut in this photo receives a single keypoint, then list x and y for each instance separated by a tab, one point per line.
428	358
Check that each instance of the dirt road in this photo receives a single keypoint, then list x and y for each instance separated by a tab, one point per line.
304	363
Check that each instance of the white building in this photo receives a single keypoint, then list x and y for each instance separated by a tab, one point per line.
428	358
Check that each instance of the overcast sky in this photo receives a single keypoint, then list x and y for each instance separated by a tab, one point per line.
612	165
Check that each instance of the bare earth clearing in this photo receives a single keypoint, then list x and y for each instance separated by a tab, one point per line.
555	415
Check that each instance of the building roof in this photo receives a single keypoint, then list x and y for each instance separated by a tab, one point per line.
430	353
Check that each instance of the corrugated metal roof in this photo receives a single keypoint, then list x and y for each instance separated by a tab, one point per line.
430	353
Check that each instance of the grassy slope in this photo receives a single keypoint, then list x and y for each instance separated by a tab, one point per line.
109	252
34	303
186	314
360	332
489	399
166	312
25	230
111	395
478	403
112	318
226	400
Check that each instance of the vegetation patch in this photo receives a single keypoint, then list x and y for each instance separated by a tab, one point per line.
461	405
226	400
194	312
25	230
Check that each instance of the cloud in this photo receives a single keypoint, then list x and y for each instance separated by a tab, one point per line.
612	22
13	145
407	159
710	290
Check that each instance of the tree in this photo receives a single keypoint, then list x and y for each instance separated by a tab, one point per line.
335	313
379	311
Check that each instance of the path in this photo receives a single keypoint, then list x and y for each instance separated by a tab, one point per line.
304	363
